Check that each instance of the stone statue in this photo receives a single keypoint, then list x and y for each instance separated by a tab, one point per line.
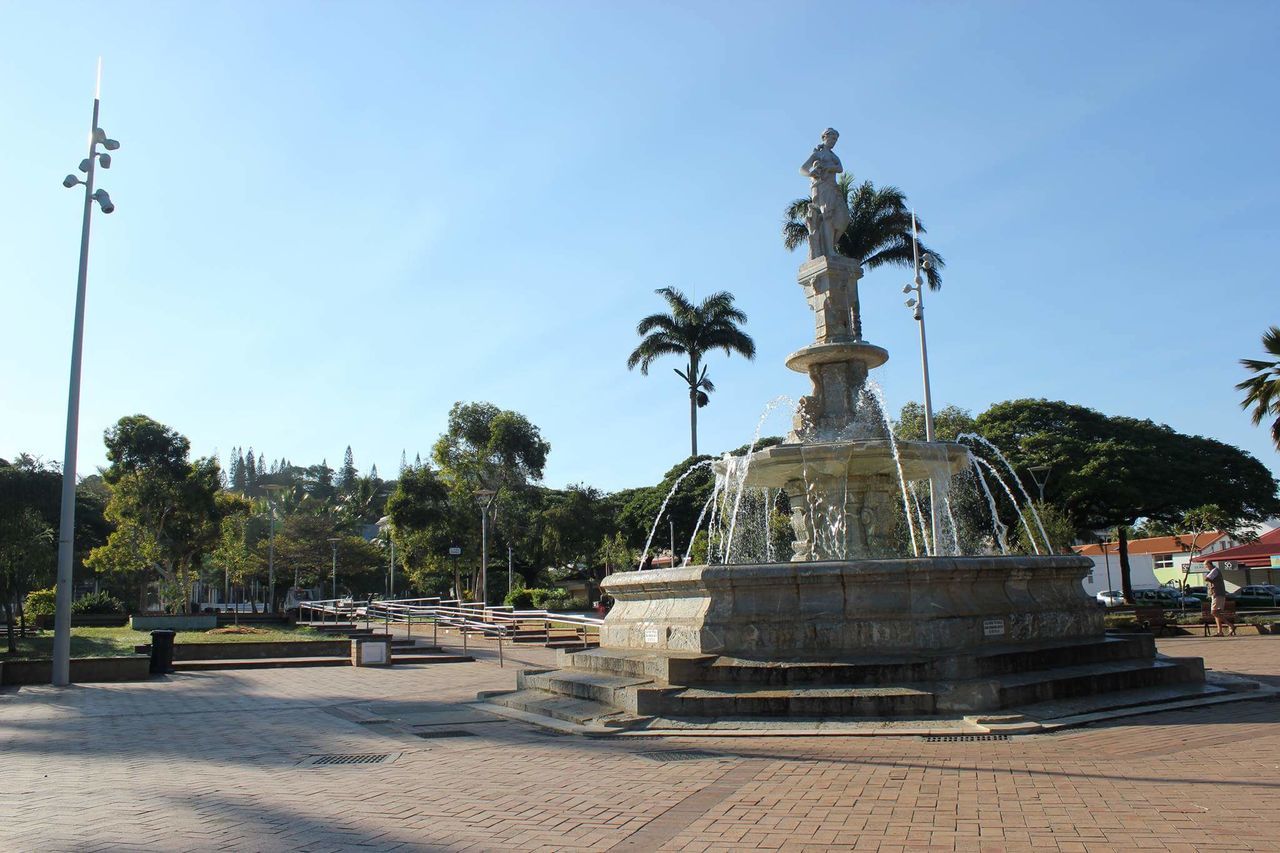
828	213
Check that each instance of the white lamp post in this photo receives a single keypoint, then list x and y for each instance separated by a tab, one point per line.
1040	476
484	497
272	489
61	669
333	541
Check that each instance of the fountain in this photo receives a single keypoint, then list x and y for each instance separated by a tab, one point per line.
848	626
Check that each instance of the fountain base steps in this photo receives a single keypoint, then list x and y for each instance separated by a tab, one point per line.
628	688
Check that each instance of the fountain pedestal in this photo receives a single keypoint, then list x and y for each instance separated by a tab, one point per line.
845	610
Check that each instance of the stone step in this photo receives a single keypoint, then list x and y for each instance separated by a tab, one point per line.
1077	706
799	701
258	663
672	667
555	706
605	689
912	669
1023	689
398	658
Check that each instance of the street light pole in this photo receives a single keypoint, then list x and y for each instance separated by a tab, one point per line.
334	543
510	573
1040	476
1107	560
61	669
916	303
271	489
484	497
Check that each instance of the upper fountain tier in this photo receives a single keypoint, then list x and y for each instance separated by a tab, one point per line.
839	467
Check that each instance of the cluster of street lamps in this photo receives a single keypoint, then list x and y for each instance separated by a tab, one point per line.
67	520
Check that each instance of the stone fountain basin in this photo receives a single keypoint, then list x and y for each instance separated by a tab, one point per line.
837	610
775	467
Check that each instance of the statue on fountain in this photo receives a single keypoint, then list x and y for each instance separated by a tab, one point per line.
828	214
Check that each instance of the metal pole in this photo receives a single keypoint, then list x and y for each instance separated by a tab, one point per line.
484	554
271	555
510	575
935	514
335	571
67	520
1107	559
391	577
671	525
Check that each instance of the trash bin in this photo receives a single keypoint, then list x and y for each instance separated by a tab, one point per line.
162	652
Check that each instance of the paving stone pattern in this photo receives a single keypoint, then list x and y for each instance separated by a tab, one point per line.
221	761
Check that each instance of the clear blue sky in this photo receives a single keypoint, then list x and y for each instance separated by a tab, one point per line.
336	219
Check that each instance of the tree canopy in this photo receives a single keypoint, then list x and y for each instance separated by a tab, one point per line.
1113	470
1262	390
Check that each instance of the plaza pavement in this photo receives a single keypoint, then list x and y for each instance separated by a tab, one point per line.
220	761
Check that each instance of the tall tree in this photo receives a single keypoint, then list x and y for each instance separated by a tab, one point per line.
692	331
237	470
484	446
347	476
879	231
250	474
164	506
1262	390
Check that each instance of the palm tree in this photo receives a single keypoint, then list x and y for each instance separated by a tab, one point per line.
692	331
1264	386
879	229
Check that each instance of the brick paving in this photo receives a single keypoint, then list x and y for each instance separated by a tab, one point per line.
218	761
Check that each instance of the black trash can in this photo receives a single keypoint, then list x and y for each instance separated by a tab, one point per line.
161	652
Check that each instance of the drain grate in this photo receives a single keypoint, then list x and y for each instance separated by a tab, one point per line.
445	733
347	759
962	738
679	755
371	722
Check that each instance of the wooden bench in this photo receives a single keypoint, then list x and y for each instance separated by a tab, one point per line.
1151	618
1228	615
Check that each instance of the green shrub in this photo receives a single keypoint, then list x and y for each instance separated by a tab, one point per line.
98	602
552	599
40	602
1120	621
519	598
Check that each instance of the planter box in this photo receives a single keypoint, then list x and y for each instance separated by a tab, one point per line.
83	670
243	651
176	622
86	620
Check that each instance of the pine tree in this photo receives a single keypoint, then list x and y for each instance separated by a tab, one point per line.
404	462
262	468
237	469
250	473
347	477
373	472
417	460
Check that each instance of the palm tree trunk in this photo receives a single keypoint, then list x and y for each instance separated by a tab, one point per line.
693	406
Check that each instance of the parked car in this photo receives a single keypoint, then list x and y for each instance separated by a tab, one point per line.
1256	595
1164	597
1110	598
1200	592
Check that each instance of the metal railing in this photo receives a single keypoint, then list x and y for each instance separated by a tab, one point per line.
469	618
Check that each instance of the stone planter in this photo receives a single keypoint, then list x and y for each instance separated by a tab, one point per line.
825	610
83	670
86	620
174	622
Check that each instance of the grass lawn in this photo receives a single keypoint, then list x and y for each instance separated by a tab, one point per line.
110	642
